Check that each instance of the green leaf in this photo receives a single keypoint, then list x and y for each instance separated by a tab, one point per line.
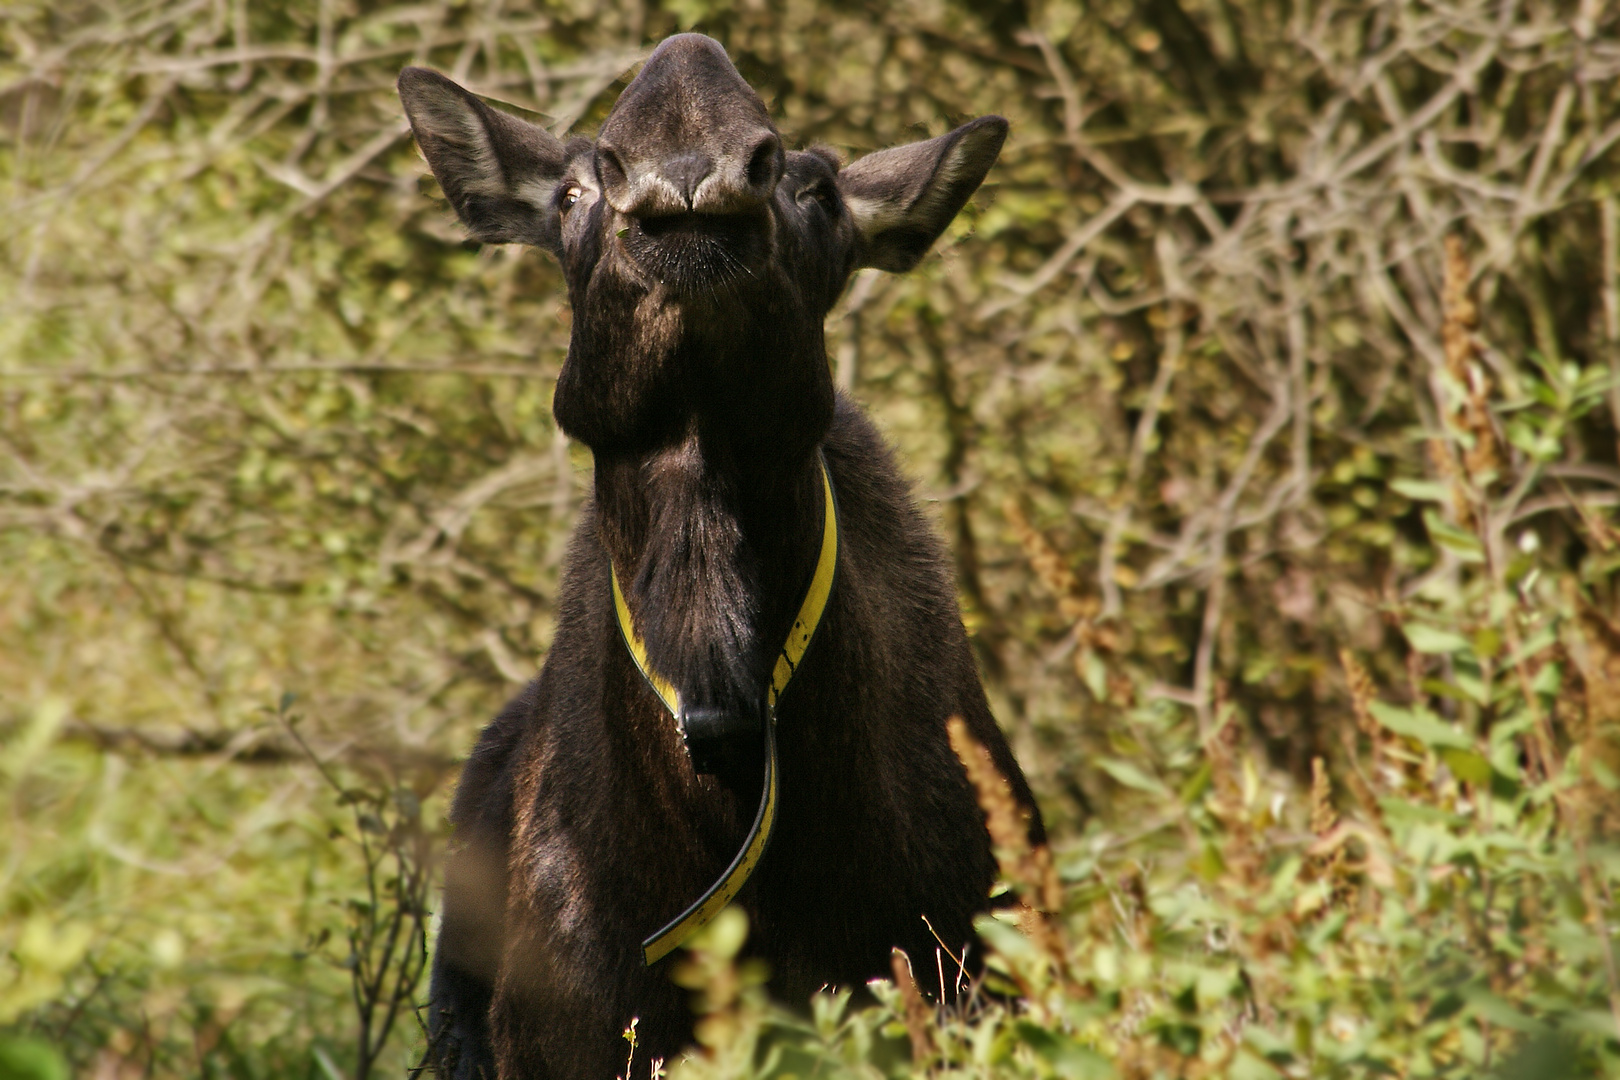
1474	688
1325	933
1422	490
1184	1039
30	1059
1465	545
1007	941
1467	764
1131	776
1067	1057
1445	690
1247	1066
1409	812
1269	1044
1504	786
329	1068
1197	784
1421	725
1432	639
1597	1022
1209	863
1488	1006
1095	674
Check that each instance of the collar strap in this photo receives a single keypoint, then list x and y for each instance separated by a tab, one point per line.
723	891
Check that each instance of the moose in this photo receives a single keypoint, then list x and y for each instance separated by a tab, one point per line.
739	501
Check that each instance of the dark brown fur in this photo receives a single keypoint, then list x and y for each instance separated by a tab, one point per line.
701	260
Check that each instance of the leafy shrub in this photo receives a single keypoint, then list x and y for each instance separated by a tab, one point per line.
1266	396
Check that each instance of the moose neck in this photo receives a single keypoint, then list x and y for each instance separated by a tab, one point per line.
712	516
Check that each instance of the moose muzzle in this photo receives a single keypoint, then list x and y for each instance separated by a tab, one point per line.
689	136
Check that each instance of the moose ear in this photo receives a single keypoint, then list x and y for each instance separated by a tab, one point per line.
903	198
499	172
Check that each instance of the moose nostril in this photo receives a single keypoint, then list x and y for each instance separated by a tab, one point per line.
687	172
763	162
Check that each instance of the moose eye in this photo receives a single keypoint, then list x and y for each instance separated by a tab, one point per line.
823	194
572	196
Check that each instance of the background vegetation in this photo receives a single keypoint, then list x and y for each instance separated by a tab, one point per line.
1267	396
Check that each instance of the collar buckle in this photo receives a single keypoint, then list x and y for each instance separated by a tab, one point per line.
724	741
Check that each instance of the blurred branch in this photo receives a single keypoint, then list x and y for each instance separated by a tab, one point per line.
1107	555
469	370
248	746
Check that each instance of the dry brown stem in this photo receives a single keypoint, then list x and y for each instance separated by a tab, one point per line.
1323	816
1595	649
1027	868
1363	691
915	1013
1050	567
1471	414
1324	820
1225	749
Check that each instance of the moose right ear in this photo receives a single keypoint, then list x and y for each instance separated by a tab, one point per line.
902	198
499	172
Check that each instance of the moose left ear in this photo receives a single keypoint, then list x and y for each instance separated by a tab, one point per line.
499	172
903	198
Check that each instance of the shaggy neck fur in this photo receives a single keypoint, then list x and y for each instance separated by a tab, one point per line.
709	501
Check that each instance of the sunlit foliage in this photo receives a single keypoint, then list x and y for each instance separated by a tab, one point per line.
1266	396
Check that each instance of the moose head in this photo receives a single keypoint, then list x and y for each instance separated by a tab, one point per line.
701	256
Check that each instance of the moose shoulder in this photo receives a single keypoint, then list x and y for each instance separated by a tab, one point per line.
701	259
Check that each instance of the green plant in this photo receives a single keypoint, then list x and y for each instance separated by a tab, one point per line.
386	927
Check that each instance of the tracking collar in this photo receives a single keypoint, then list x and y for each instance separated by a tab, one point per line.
721	893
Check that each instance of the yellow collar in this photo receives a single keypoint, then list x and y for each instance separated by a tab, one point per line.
721	893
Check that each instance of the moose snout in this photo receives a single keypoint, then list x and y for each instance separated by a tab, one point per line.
692	180
689	136
686	172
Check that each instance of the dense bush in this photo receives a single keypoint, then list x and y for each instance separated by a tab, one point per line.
1267	396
